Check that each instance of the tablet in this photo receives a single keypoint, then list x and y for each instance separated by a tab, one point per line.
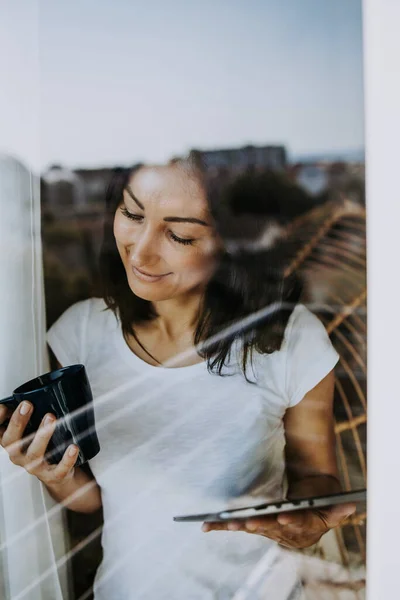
273	508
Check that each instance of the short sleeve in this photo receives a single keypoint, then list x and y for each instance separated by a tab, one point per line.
66	337
310	355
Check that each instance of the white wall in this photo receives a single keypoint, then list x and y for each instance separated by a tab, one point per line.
382	92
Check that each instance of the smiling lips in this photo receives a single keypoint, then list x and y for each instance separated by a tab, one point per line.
143	276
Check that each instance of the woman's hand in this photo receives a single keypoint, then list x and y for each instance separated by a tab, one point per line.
29	452
298	529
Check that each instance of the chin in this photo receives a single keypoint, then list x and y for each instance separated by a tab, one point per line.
149	291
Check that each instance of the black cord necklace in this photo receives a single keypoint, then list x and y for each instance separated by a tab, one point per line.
142	347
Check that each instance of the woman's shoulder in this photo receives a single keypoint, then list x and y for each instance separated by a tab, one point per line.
80	327
303	325
96	306
89	313
305	356
310	354
82	309
98	313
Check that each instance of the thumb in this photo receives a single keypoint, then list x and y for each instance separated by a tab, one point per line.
339	513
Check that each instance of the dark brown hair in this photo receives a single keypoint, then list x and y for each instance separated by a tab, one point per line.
248	279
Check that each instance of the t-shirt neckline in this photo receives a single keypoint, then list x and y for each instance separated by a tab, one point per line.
135	360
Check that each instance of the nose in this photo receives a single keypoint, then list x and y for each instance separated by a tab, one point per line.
144	249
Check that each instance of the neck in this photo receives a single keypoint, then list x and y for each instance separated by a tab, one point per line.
178	316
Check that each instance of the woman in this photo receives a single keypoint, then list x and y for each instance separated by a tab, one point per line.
212	387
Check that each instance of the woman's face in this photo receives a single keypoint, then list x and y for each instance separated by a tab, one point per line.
164	233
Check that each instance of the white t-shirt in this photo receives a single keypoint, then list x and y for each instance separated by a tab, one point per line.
182	440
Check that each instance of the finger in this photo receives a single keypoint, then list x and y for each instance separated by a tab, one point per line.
66	465
18	421
266	523
2	430
308	522
336	515
34	457
222	526
267	528
297	518
5	413
12	439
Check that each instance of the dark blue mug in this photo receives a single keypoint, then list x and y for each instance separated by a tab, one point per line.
67	394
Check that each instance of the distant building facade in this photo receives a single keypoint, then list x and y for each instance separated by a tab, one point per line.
95	183
247	157
79	191
62	191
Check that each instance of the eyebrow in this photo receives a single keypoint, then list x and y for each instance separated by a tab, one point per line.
132	195
167	219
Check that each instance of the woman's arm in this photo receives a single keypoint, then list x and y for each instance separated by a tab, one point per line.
310	443
311	469
81	493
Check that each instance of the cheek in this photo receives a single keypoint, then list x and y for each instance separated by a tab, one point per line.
198	264
120	228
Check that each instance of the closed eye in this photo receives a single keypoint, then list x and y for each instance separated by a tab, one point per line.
179	240
129	215
139	218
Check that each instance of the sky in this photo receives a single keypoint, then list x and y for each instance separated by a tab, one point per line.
96	83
